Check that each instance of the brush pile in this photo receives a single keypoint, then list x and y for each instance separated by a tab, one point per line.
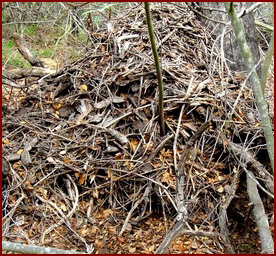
83	160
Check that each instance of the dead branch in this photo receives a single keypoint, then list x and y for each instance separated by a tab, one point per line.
18	73
10	214
223	220
159	147
11	83
25	52
178	227
34	249
259	214
143	197
65	218
180	196
248	157
254	197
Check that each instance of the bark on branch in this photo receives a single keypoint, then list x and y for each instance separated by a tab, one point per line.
254	79
26	53
19	73
34	249
259	214
180	198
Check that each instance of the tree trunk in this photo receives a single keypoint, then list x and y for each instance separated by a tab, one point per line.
216	11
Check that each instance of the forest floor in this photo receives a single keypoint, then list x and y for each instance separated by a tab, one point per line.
84	165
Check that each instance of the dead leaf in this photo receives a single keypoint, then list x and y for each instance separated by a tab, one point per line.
131	249
65	111
63	207
20	151
92	178
98	243
143	101
83	88
95	193
51	160
220	189
166	178
112	149
6	142
96	118
84	109
120	239
82	178
118	136
133	144
66	160
84	231
107	212
107	102
40	106
109	172
102	104
181	248
63	152
195	244
56	105
28	185
49	63
191	126
94	148
151	248
102	48
42	191
117	99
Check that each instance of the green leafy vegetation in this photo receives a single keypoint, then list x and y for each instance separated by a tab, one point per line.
10	55
45	53
31	30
